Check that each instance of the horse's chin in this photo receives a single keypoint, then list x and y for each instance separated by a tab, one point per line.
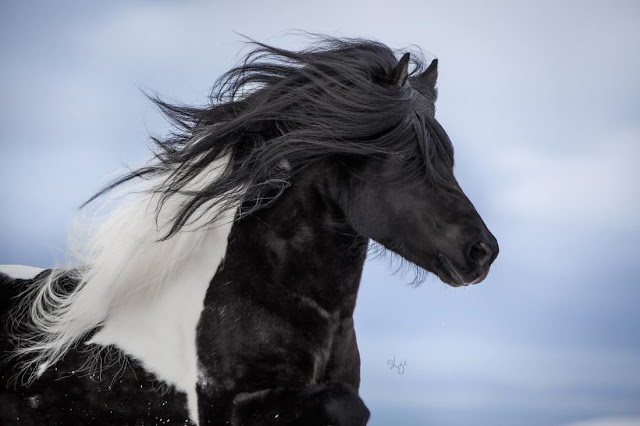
454	275
446	269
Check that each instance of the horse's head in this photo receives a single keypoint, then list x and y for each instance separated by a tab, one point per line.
410	201
346	111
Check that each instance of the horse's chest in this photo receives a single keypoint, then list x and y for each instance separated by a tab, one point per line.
257	346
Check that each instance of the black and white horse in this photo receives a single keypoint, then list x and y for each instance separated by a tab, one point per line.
220	285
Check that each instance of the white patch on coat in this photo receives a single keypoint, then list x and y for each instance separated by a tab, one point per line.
20	272
146	292
160	331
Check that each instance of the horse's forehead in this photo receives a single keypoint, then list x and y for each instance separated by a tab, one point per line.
426	95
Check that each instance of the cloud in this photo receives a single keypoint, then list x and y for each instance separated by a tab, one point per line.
609	421
462	371
596	184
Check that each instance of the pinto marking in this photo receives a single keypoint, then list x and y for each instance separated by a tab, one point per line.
143	292
161	331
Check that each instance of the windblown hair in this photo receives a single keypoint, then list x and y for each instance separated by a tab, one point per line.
275	113
280	107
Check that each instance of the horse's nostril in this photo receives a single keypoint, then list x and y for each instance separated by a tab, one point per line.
480	253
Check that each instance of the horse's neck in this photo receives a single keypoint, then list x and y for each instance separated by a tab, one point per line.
303	243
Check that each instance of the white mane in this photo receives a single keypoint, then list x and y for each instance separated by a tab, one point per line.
124	267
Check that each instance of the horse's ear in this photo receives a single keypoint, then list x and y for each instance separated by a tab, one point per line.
430	76
400	73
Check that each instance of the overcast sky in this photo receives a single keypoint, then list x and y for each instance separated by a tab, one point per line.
542	102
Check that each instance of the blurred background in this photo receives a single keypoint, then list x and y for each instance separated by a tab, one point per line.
542	102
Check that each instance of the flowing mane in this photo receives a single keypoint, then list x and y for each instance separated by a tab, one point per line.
283	108
271	116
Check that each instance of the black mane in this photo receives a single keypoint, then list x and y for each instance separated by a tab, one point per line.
279	111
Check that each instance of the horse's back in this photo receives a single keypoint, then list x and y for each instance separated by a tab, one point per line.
19	272
14	280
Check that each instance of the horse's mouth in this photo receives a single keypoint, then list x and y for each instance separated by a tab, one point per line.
450	274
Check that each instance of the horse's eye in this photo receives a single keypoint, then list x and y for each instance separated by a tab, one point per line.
406	156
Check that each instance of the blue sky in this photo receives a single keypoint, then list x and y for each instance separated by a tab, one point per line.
542	102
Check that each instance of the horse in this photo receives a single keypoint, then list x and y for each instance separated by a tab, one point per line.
216	284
